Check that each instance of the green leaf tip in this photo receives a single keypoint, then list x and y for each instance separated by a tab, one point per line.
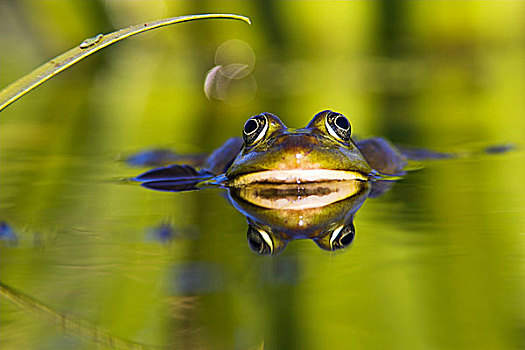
89	46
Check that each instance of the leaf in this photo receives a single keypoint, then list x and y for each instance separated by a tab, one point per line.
56	65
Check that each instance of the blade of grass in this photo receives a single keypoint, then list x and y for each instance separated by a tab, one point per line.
56	65
70	324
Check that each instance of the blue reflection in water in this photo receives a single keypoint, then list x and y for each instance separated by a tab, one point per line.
7	234
197	278
166	232
163	233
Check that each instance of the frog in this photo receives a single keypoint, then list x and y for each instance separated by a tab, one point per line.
270	152
293	183
304	183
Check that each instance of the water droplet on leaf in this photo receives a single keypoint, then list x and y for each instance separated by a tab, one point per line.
91	41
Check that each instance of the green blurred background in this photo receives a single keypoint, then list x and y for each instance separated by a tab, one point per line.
438	262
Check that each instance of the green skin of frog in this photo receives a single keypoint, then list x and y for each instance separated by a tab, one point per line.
270	152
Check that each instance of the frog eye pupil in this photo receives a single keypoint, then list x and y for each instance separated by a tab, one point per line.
347	239
255	243
342	123
250	126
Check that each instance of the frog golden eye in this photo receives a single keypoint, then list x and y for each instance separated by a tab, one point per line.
338	126
259	241
342	237
254	129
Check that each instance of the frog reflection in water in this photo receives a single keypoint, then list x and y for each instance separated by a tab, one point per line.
291	183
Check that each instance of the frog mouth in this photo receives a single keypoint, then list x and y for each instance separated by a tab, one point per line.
297	176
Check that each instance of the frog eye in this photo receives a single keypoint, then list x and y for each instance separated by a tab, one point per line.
259	241
254	129
338	126
342	237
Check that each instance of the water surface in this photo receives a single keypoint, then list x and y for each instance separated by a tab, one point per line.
437	262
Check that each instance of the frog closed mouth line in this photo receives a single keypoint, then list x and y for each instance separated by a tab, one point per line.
297	176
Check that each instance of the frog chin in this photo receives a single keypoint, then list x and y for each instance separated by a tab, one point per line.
296	176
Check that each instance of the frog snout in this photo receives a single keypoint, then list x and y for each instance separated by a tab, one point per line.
296	141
